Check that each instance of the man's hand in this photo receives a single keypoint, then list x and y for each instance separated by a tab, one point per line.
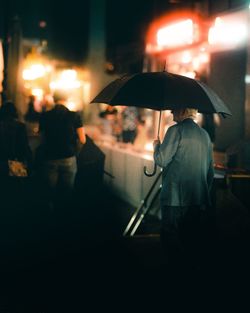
156	142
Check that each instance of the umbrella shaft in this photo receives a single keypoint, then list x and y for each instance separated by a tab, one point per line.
159	125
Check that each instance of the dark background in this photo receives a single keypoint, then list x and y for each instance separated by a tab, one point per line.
67	23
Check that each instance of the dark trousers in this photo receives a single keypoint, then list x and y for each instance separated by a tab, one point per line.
183	237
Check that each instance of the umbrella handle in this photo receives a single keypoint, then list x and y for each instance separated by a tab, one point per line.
150	174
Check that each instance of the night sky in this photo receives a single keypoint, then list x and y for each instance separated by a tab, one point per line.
67	22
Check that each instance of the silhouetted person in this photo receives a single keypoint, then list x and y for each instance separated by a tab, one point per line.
187	161
61	130
14	145
32	115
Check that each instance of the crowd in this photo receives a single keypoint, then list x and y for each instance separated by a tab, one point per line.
53	163
43	156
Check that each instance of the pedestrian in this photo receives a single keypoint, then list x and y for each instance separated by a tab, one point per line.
185	156
61	131
109	119
32	117
14	146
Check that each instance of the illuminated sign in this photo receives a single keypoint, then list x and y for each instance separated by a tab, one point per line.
229	31
178	34
174	31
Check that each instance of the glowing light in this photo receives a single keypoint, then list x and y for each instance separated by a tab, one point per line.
189	74
71	105
67	80
86	92
204	57
38	93
34	72
186	57
48	68
227	31
196	63
62	84
69	75
198	60
149	147
176	34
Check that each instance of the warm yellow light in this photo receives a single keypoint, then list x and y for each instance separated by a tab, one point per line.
196	63
186	57
34	71
69	75
71	105
48	68
64	84
67	80
204	57
86	92
177	34
189	74
38	93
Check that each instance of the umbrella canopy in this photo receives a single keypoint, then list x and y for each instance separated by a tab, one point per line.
162	91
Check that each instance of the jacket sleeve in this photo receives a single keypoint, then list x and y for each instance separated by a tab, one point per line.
164	153
210	173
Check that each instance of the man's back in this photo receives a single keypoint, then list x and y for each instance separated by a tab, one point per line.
187	159
58	127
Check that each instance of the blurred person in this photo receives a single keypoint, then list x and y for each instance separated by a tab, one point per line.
108	116
187	161
47	103
142	135
61	130
130	118
14	145
32	115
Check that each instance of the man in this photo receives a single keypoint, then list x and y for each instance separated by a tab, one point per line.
61	129
186	158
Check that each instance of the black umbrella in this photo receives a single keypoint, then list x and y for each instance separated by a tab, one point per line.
162	91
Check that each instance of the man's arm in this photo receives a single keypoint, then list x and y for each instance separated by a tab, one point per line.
164	153
81	135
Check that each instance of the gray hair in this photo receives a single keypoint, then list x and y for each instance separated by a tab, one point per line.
190	112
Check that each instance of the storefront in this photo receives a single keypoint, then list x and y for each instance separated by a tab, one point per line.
214	51
42	76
